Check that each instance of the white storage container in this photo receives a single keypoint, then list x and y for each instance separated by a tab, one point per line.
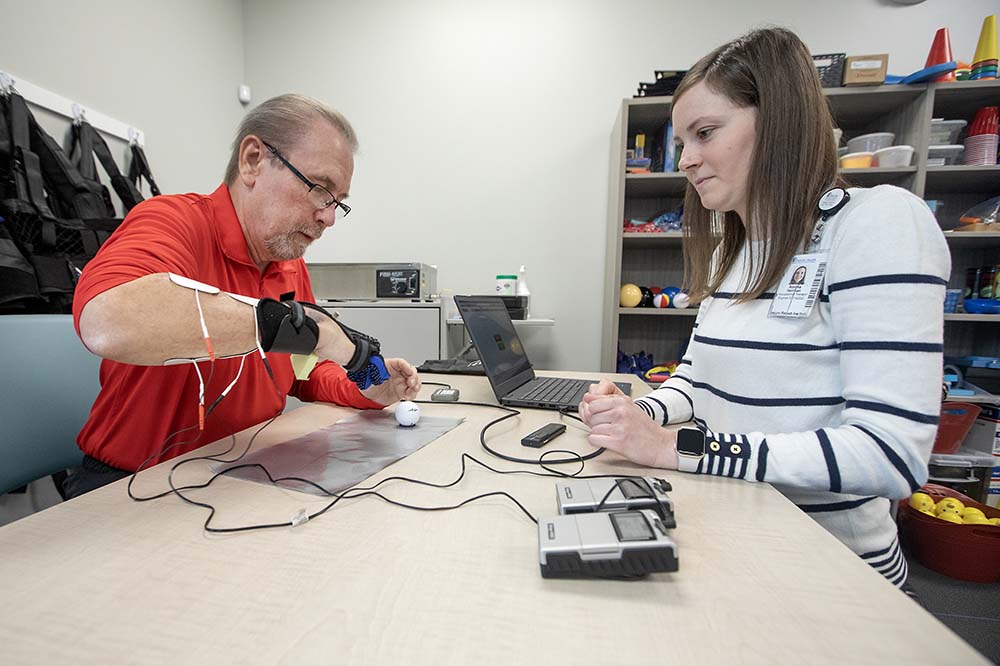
869	143
945	132
944	155
968	471
893	156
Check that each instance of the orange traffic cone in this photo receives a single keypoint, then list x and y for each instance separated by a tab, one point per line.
940	53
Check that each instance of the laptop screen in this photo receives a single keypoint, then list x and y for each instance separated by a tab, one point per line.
492	332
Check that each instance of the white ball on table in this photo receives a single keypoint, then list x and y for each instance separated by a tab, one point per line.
407	413
681	301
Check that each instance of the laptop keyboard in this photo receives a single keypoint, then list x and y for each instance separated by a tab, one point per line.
555	389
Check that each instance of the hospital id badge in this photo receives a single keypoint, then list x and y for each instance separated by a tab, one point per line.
799	286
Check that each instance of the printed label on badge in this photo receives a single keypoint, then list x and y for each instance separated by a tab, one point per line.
799	287
833	199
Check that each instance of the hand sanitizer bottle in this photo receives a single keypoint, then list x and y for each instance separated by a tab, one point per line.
522	290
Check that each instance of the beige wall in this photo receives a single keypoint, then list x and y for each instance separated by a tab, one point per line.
169	68
484	125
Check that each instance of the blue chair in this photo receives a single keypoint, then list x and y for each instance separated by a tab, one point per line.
47	388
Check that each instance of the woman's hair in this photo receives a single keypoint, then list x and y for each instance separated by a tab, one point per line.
283	121
794	161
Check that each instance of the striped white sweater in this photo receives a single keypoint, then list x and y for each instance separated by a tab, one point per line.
838	410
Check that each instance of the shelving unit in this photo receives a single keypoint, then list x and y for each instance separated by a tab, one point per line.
657	259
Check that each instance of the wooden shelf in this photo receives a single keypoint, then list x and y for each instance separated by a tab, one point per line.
964	316
973	239
987	398
670	184
871	176
904	110
663	239
648	113
961	99
667	312
984	179
854	107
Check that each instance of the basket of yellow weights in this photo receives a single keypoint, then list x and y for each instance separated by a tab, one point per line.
952	533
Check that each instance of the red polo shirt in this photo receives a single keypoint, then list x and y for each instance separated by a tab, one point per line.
199	237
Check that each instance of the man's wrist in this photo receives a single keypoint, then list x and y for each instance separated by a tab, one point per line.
333	344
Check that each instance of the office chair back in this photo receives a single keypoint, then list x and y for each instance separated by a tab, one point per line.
49	381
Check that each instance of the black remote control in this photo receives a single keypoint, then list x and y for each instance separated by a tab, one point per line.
543	435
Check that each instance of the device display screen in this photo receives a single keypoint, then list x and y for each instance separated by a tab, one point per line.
632	526
633	489
496	340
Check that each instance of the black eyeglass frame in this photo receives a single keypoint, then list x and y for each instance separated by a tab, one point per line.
331	200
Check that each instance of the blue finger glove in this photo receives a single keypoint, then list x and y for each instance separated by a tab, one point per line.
371	375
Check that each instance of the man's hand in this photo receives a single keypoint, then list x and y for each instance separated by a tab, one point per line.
617	424
403	383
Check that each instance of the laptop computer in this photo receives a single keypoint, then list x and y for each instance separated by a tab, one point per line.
506	362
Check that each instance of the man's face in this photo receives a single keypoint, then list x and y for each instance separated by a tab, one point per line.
282	222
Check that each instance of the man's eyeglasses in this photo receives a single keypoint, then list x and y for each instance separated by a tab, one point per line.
319	196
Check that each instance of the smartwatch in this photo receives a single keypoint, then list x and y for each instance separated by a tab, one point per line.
690	449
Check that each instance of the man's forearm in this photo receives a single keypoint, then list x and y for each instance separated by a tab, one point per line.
150	320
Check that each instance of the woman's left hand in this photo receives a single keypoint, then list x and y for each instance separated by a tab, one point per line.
403	383
617	424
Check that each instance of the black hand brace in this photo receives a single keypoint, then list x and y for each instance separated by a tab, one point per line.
285	327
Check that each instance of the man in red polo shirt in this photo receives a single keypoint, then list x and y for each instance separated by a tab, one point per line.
288	176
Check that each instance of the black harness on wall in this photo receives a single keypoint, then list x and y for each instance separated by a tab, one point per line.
54	216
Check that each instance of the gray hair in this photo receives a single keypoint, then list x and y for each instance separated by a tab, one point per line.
282	121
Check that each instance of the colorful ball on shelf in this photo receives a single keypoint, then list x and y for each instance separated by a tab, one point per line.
671	292
630	296
680	301
661	300
647	298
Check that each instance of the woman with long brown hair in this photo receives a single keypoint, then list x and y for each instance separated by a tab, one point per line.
815	363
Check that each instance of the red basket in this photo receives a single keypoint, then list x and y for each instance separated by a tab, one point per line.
956	422
966	552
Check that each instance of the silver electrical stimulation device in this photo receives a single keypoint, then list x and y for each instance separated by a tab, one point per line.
616	544
617	494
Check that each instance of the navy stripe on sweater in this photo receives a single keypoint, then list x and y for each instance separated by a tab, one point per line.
901	578
893	458
877	553
879	345
644	406
767	346
890	562
892	346
769	402
918	417
662	406
686	396
898	278
831	460
835	506
762	460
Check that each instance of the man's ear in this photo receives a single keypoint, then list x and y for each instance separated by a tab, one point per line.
251	161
